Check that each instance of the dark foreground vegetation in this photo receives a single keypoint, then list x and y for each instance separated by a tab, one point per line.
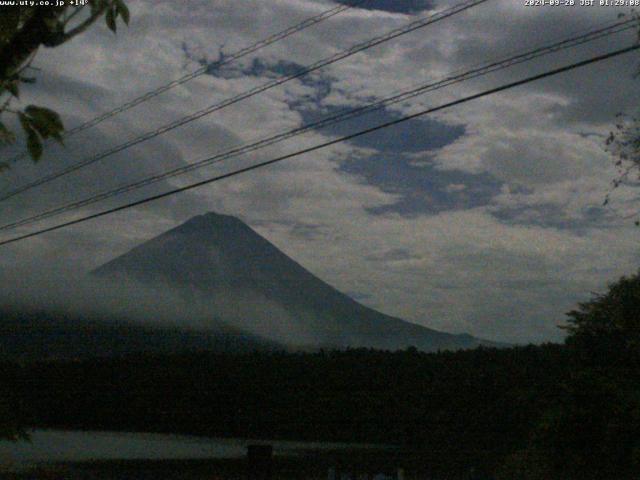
567	411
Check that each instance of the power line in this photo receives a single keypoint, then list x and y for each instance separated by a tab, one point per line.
412	26
217	178
490	67
224	60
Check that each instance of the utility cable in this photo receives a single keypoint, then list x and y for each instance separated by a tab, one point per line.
241	150
224	60
421	23
360	133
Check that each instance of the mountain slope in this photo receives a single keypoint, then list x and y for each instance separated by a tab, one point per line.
218	261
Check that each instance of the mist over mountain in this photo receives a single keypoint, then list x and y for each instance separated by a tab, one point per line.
234	275
50	335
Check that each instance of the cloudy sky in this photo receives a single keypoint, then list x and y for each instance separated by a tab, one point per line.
484	218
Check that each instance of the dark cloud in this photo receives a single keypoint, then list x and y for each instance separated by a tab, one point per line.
423	189
394	6
407	137
553	216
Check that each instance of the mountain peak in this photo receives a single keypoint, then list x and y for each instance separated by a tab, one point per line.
216	217
210	219
211	225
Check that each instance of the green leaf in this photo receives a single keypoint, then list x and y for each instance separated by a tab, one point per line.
46	115
12	87
24	120
53	24
123	10
6	135
9	23
110	17
45	121
34	144
95	5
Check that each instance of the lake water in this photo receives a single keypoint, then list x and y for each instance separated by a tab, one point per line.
72	446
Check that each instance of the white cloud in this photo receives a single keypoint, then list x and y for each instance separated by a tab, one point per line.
464	270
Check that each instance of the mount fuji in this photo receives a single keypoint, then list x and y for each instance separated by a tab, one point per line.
236	277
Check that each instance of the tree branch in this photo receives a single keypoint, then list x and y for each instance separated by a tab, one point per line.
76	11
82	27
33	33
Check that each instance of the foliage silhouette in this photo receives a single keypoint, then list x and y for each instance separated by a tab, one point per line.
23	30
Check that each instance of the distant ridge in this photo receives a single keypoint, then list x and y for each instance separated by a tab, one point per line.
250	284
